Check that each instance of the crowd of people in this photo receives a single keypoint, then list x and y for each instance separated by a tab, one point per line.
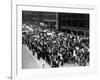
55	47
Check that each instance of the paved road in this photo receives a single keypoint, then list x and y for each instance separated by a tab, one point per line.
29	61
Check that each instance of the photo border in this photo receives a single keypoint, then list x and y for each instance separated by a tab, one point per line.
14	73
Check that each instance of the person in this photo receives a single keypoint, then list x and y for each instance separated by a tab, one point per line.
43	66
